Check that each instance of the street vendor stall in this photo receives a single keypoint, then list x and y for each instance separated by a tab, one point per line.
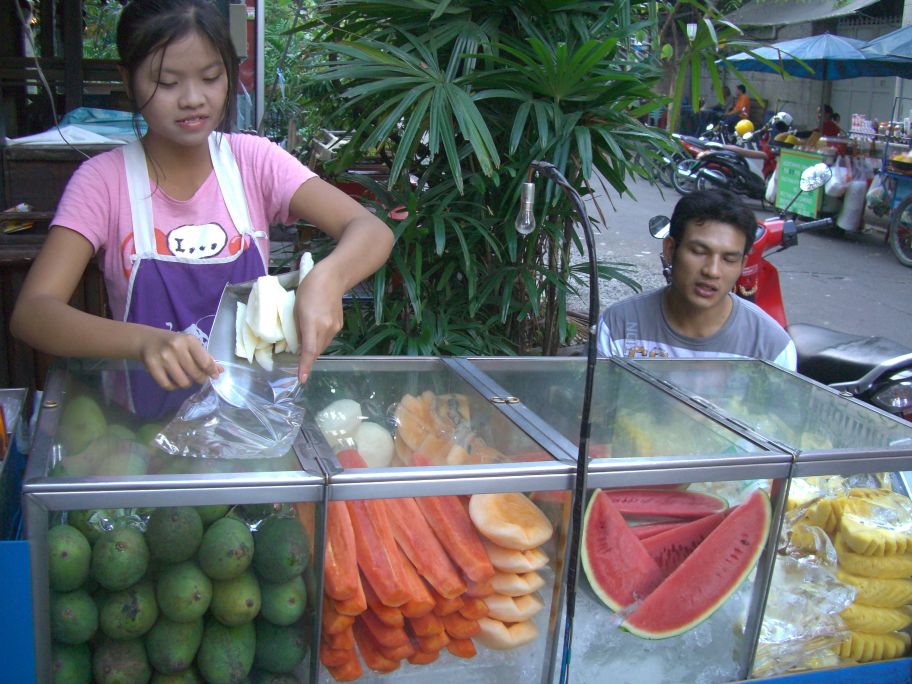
418	523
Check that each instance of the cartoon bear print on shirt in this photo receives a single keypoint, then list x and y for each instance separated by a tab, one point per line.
187	242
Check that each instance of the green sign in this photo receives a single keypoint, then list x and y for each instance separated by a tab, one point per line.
791	164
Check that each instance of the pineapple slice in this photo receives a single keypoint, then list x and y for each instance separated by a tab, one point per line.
887	567
882	593
871	620
866	648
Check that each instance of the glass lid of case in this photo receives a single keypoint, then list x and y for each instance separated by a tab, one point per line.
783	406
630	417
410	411
106	418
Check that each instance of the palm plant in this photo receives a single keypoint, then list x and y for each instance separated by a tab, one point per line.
460	96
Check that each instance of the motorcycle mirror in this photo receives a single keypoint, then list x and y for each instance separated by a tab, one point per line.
659	227
814	177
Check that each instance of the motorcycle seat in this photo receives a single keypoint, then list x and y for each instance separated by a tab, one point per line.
830	356
690	139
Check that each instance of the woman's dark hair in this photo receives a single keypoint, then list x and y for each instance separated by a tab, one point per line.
742	88
149	25
713	205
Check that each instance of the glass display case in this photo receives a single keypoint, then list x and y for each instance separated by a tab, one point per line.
433	496
142	561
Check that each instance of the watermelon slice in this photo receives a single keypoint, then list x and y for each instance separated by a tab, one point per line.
652	529
671	547
708	576
618	567
664	503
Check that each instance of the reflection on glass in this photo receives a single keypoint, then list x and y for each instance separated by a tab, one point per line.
630	417
782	406
397	414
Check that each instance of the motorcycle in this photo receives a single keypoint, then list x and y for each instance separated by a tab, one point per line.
875	370
690	148
743	169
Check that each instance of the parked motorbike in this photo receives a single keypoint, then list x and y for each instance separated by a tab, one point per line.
875	370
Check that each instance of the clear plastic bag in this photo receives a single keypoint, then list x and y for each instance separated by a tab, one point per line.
244	413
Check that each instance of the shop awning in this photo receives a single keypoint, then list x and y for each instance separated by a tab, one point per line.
776	12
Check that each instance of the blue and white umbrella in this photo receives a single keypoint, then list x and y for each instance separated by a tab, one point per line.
824	57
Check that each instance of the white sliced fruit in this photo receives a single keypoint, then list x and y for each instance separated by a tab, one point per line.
375	444
263	356
244	343
339	420
280	346
511	560
510	519
263	309
307	263
513	584
510	609
496	635
287	320
250	341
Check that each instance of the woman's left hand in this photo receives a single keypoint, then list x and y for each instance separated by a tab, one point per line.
318	313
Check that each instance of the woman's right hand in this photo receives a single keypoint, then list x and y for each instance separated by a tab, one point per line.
176	359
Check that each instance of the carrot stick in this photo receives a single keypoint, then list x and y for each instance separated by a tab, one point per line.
386	614
369	650
341	558
451	524
387	636
462	648
379	558
473	608
333	621
426	625
341	641
459	627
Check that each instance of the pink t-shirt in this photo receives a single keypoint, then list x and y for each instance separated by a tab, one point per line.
96	205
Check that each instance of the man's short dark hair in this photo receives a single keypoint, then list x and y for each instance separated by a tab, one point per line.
713	205
742	88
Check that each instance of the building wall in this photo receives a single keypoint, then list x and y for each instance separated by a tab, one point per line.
800	97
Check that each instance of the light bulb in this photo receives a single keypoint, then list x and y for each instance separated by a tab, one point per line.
525	219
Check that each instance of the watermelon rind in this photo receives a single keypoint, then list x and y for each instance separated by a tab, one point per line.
679	591
628	565
656	504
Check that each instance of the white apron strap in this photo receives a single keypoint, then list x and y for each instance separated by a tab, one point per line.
230	183
140	192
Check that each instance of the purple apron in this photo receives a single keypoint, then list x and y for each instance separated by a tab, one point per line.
179	293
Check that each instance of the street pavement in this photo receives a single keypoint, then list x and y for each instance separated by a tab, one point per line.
852	284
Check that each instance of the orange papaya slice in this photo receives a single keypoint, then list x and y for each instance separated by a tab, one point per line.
388	615
333	621
340	558
433	643
473	608
368	647
454	529
340	641
459	627
353	606
422	601
397	653
462	648
387	636
347	672
334	657
426	625
379	558
417	540
420	657
445	606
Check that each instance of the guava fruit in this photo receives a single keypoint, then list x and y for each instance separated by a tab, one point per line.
81	423
120	558
74	617
69	556
226	549
282	549
279	649
121	662
226	653
71	664
184	592
283	602
172	646
129	613
174	534
237	600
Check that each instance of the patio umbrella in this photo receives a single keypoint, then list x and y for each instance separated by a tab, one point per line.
829	58
894	44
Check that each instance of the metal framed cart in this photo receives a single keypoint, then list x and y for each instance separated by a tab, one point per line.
898	176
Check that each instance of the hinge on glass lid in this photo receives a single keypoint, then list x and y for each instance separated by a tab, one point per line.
504	400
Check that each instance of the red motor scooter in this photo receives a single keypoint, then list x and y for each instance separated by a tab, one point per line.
875	370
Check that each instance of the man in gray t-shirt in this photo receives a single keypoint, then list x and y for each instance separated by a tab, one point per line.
697	315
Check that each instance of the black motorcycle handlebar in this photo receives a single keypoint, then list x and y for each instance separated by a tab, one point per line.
819	223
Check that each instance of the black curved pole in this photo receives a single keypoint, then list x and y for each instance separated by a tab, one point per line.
551	172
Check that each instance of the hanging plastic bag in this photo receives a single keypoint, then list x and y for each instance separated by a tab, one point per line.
772	186
245	413
879	194
839	180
